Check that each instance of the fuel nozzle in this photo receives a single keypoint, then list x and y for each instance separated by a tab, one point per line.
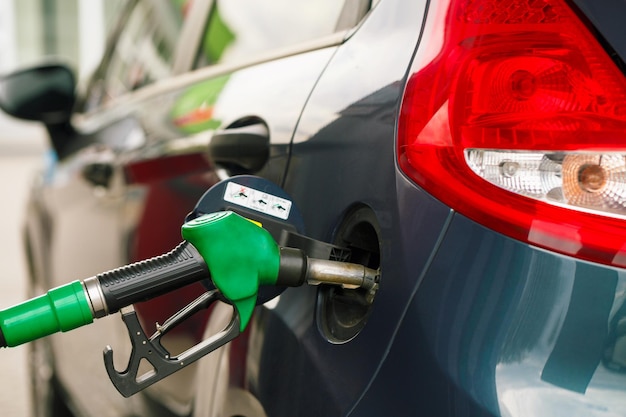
237	254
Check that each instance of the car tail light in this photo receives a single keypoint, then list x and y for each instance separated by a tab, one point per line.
515	116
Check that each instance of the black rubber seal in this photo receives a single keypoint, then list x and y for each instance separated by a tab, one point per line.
293	266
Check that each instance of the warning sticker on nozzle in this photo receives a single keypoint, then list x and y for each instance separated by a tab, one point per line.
257	200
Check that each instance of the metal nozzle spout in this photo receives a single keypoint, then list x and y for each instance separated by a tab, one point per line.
348	275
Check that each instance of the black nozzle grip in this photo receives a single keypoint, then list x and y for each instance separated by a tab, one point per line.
147	279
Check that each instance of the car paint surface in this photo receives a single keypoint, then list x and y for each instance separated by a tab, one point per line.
524	332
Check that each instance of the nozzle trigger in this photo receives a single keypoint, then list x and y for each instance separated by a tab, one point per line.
129	381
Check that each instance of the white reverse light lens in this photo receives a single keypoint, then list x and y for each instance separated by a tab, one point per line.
584	181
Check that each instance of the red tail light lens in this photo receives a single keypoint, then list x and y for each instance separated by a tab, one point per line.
515	117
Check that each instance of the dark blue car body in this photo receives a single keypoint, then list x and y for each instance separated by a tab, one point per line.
467	321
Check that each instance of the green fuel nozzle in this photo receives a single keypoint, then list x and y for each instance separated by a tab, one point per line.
240	255
244	257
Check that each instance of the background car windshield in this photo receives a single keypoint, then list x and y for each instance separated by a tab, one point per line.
239	29
143	52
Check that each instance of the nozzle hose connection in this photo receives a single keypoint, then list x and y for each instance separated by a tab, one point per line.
61	309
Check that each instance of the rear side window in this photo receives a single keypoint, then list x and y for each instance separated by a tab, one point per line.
143	52
239	29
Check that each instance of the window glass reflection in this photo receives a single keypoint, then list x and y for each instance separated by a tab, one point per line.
143	52
239	29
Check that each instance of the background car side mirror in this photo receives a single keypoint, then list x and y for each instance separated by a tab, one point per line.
44	93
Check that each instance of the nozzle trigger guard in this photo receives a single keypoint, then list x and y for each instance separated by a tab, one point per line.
129	382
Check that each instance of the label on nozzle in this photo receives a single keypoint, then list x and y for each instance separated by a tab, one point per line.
257	200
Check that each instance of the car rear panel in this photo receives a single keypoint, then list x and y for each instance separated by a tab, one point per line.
498	327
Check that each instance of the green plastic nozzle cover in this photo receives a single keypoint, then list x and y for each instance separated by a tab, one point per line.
61	309
240	255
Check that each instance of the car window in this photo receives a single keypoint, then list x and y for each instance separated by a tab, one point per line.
240	29
143	52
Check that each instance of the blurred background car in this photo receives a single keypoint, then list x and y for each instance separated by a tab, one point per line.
473	151
21	147
29	30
